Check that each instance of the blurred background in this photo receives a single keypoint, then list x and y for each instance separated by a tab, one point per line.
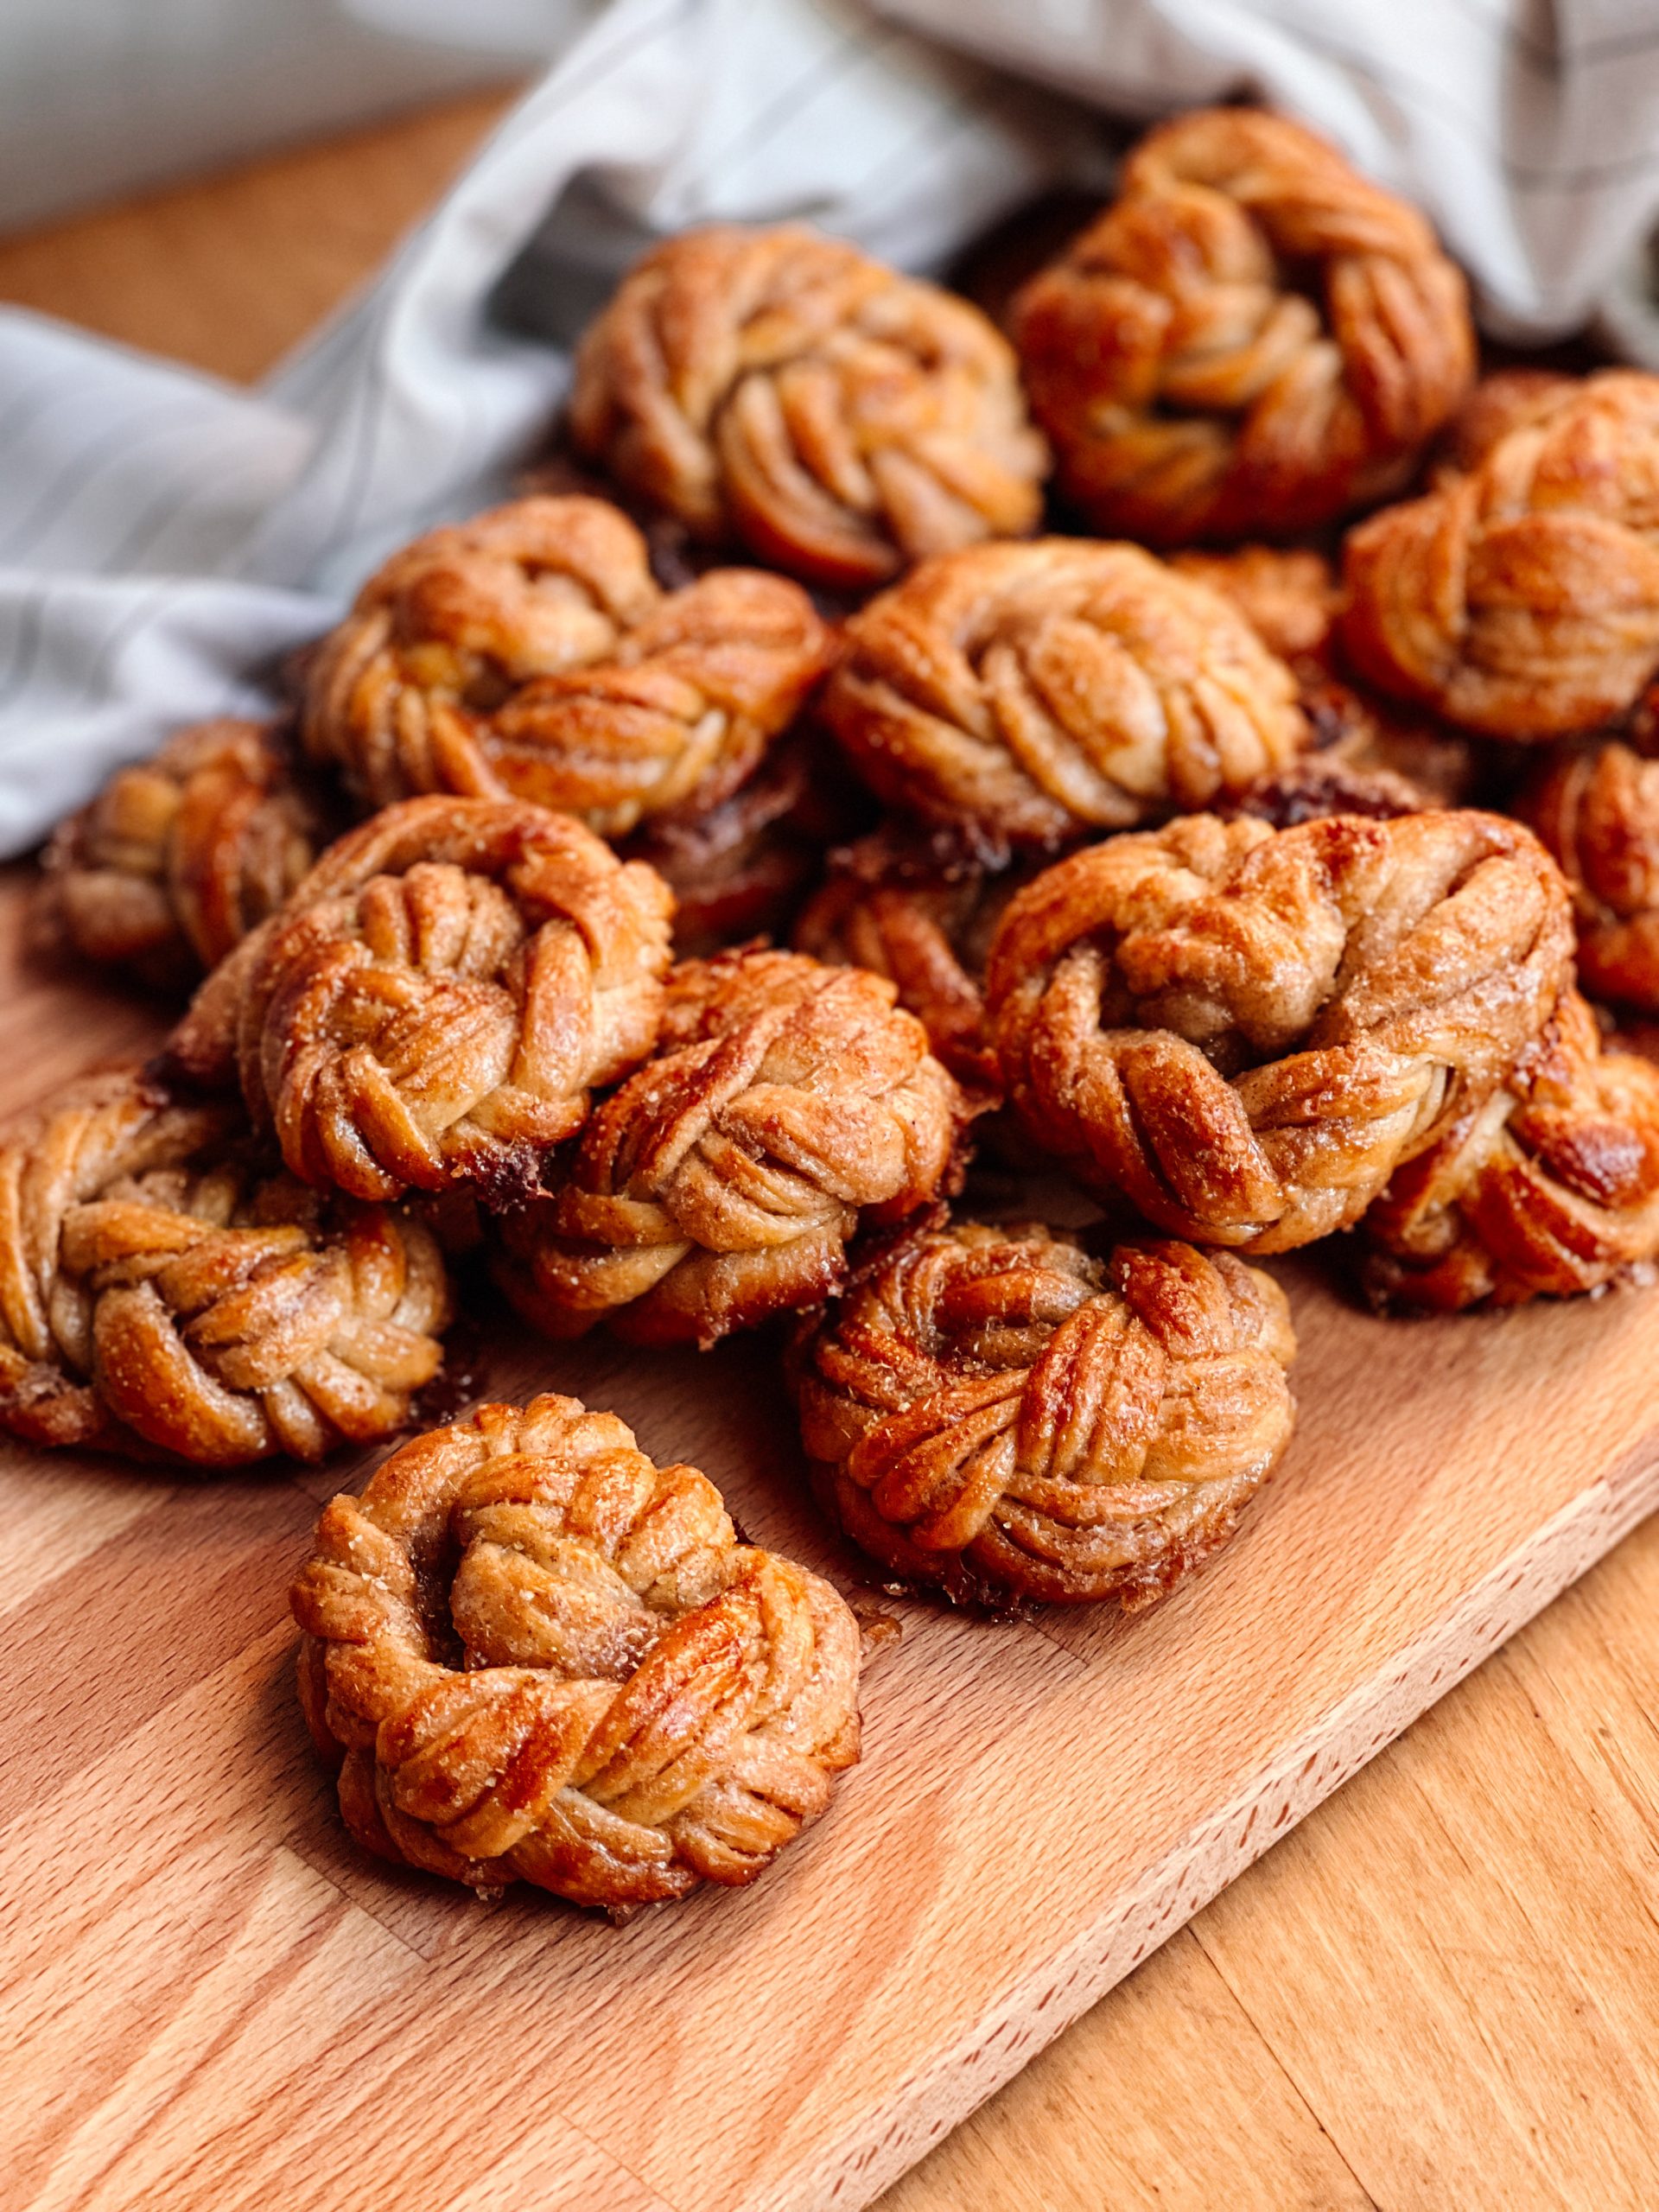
99	98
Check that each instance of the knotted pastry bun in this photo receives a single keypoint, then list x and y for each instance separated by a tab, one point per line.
1597	810
530	653
1252	341
1548	1189
435	1001
1029	694
782	389
1522	599
994	1410
1246	1031
535	1656
786	1104
180	856
160	1287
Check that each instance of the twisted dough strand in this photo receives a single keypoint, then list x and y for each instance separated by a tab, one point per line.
530	654
1247	1030
786	1102
1252	341
437	997
537	1657
1522	599
1030	693
782	388
1548	1189
156	1285
994	1410
179	857
925	926
1597	810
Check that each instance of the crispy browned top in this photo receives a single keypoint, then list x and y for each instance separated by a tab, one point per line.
179	857
1522	599
1246	1031
1250	340
1029	693
542	1657
780	387
529	653
158	1283
437	997
1596	808
786	1101
993	1409
1548	1188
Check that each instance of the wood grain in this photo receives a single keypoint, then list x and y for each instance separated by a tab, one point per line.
1410	2003
211	1990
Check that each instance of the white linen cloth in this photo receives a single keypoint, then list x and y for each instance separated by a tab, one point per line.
164	538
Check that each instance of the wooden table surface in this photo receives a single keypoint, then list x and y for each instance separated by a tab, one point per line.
1442	1989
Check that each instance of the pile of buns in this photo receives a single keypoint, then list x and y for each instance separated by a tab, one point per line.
662	885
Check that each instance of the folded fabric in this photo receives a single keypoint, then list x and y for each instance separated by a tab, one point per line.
166	539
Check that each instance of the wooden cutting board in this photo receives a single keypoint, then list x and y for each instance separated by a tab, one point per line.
210	2001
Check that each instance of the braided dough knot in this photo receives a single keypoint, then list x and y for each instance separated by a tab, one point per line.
179	857
1246	1031
543	1657
530	653
436	998
783	388
1597	810
1026	692
722	1182
1522	599
1547	1188
996	1405
156	1285
1253	338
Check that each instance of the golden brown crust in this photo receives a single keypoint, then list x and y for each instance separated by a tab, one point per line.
1246	1031
994	1410
1252	341
1597	810
780	388
437	998
179	857
159	1287
530	654
1522	599
1548	1189
1027	694
898	910
786	1103
641	1702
